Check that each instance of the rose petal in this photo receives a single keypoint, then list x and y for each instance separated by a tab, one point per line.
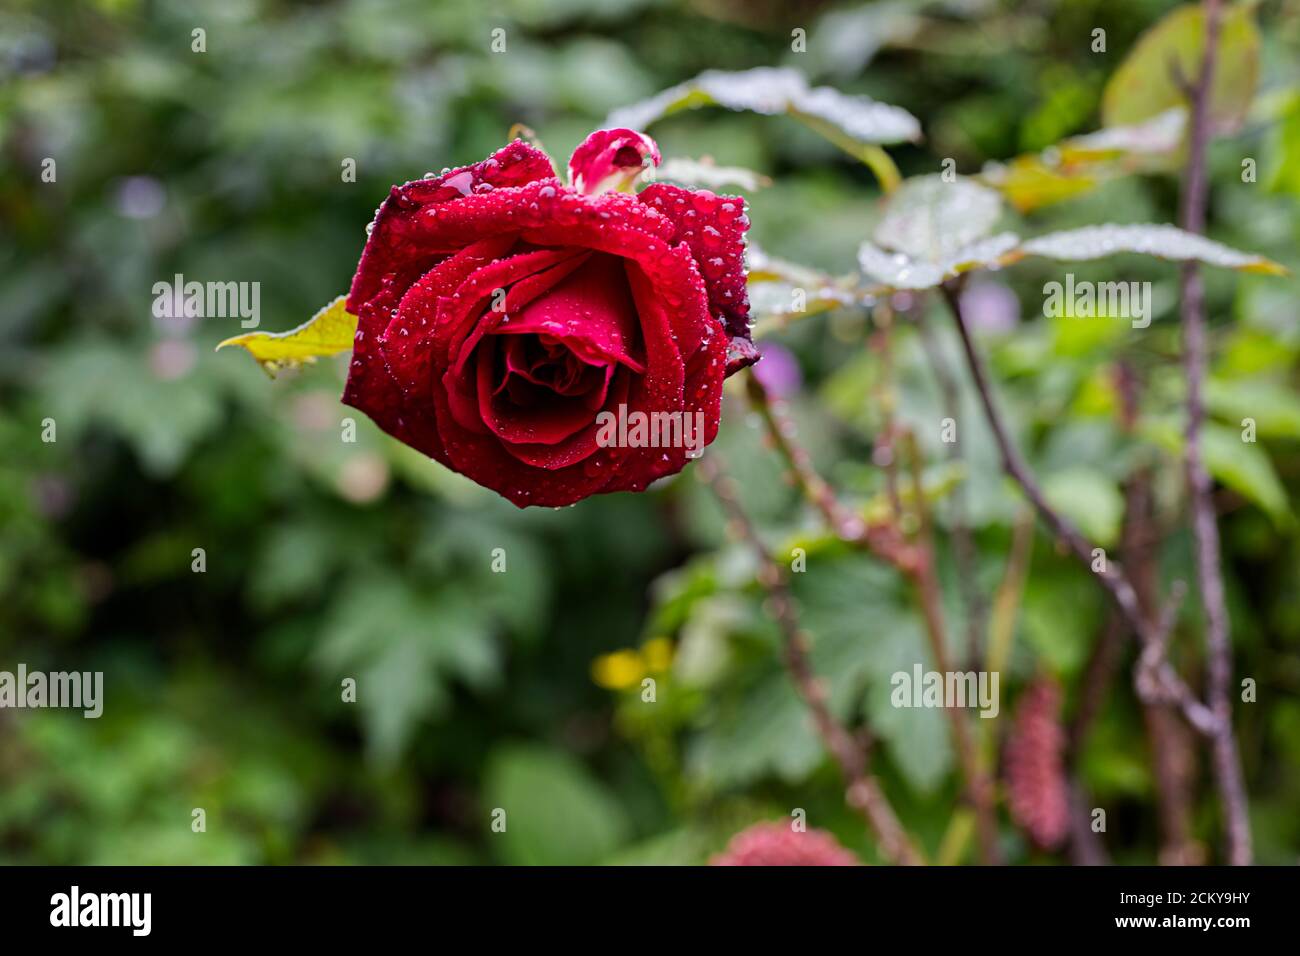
713	227
547	422
702	374
395	242
469	316
612	159
590	311
528	363
388	366
581	447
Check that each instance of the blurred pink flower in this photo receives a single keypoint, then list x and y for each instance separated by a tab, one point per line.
990	307
776	844
778	372
1035	772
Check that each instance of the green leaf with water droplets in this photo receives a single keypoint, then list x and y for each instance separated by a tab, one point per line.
781	291
856	124
932	230
773	91
930	218
898	270
1162	241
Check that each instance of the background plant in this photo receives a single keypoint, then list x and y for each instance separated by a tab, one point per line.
523	690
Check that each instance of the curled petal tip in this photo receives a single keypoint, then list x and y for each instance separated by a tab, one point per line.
612	160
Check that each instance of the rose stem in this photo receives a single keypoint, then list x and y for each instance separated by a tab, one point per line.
1209	574
916	562
1156	679
979	788
963	543
863	792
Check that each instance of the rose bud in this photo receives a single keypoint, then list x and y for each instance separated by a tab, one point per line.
506	320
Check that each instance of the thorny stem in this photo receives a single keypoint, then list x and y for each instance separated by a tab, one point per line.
884	453
1209	574
963	544
1170	748
863	790
979	788
1156	682
915	561
883	540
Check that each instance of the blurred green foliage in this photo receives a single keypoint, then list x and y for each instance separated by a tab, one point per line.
327	560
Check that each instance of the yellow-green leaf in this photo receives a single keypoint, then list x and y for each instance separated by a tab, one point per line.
1081	163
328	332
1147	82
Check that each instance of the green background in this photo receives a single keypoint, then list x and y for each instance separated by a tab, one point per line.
327	560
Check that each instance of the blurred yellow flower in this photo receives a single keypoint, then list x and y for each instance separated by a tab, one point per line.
618	671
623	669
657	654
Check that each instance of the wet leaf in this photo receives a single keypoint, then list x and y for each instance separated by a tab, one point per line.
933	229
780	291
862	118
930	218
774	91
1156	135
1162	241
900	271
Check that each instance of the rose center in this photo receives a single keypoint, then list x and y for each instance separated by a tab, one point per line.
553	361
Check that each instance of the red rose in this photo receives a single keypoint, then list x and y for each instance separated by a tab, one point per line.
507	321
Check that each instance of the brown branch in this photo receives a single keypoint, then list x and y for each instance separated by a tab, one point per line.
1209	573
979	787
1167	686
882	540
863	791
914	561
1172	752
884	454
963	543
